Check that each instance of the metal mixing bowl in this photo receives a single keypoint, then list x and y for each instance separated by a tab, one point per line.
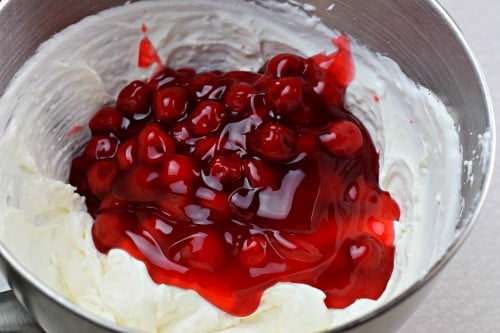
417	34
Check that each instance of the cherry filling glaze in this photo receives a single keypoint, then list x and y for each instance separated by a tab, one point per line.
229	182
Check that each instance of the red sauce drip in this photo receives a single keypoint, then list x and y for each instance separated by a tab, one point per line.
74	130
227	183
148	55
339	66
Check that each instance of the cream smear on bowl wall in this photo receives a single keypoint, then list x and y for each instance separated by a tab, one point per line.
44	223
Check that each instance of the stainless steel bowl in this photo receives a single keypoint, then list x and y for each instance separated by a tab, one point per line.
417	34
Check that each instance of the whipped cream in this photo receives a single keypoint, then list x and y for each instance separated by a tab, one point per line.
44	223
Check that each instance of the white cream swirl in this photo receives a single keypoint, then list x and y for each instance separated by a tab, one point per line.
44	223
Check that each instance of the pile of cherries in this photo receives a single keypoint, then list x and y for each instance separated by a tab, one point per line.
228	182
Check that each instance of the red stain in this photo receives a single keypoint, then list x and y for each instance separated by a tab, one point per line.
376	99
74	130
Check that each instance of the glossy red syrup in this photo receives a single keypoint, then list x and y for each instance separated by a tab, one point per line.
227	183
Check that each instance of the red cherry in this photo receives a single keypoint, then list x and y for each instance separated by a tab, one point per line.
153	144
100	176
101	147
203	250
126	154
77	174
342	137
216	201
134	98
273	142
254	251
169	103
237	97
285	95
204	84
179	172
140	183
313	114
109	201
173	206
156	229
318	78
169	78
284	65
258	106
218	92
106	120
260	174
110	227
307	142
226	168
206	117
205	148
180	133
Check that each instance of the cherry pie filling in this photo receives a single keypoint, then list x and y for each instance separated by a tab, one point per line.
229	182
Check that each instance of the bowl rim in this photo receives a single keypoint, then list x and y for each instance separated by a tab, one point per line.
437	267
